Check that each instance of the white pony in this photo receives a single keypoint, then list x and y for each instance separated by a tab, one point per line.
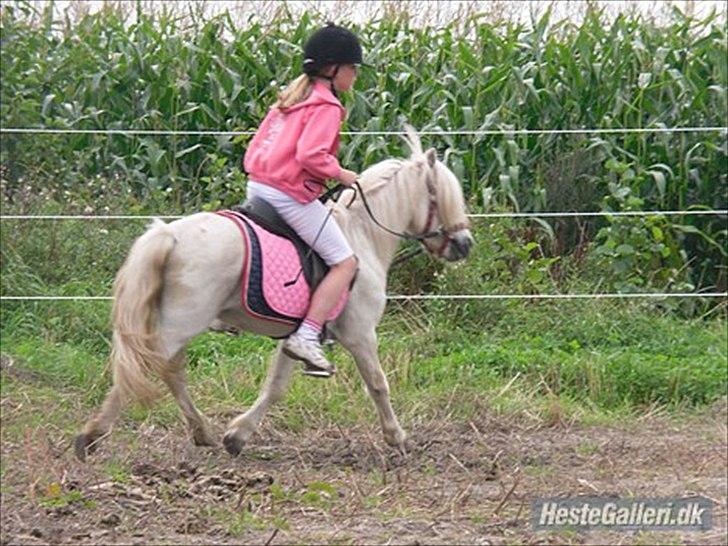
181	277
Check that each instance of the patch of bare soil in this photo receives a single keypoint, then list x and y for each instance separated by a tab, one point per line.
460	483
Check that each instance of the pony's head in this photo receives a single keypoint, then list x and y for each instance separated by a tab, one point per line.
445	220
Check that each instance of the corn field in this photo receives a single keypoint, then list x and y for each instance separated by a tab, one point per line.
170	73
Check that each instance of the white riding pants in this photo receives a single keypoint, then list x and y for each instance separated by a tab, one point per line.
306	219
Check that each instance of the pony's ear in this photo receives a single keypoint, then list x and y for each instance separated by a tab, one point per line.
431	156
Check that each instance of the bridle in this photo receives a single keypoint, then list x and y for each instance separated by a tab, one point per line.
427	233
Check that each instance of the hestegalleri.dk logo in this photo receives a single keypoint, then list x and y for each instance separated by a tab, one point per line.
656	514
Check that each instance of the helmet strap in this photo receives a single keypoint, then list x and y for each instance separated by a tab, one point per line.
331	79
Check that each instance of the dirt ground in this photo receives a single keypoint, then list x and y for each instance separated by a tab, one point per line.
460	482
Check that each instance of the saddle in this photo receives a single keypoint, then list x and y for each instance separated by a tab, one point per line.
263	214
273	288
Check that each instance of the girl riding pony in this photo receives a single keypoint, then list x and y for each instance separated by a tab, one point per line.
291	155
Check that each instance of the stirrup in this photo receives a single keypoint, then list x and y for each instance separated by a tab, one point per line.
309	360
315	371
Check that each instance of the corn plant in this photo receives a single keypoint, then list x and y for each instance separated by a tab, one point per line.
169	71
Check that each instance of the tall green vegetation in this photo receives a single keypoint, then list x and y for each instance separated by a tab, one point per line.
163	72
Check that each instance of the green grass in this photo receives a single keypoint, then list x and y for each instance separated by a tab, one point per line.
557	361
596	360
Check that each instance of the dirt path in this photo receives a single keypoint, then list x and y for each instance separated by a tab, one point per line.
465	483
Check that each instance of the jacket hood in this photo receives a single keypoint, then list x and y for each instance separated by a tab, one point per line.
320	94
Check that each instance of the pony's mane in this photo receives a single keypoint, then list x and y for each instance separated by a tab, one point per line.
371	179
388	168
399	172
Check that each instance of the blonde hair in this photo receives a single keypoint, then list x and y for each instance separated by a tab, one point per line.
296	91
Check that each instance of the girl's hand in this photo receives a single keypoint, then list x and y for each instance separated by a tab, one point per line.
348	177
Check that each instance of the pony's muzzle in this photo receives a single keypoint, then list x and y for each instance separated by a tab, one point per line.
462	242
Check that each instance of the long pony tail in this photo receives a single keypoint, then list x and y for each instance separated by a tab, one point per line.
136	352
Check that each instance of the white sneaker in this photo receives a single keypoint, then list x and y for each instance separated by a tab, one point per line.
311	354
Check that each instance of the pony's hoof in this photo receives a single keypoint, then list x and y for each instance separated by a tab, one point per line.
82	446
399	440
232	444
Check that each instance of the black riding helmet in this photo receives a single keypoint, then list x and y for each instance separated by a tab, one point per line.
330	45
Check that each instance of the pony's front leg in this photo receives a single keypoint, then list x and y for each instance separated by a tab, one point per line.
364	350
243	426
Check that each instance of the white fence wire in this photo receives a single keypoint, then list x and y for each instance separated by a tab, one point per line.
719	212
658	295
575	131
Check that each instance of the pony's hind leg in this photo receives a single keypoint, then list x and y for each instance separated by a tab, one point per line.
99	425
275	386
175	281
176	379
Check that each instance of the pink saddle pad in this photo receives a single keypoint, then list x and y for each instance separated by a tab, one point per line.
267	271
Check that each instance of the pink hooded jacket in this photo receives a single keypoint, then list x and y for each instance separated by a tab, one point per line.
294	150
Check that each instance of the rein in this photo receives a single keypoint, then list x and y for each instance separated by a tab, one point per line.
431	212
407	255
428	233
403	235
